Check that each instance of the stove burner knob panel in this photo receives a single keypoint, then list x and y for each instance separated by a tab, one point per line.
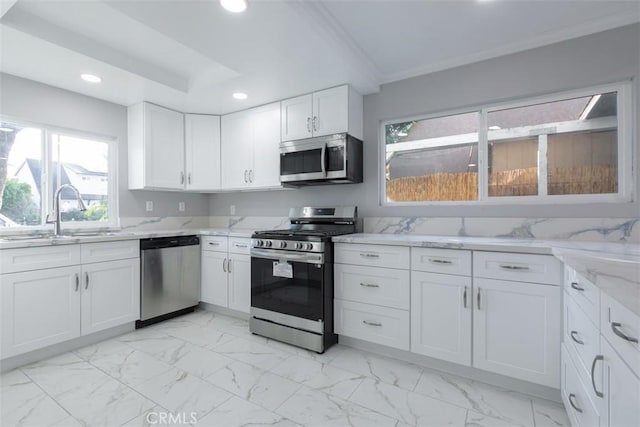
298	245
267	244
308	246
282	245
259	243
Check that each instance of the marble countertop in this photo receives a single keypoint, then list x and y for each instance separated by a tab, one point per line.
613	267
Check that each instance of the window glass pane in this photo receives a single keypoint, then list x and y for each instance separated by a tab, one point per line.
513	167
20	175
82	163
432	159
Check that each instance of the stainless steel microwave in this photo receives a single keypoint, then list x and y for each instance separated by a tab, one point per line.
332	159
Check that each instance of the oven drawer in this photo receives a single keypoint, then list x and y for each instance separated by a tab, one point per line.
387	287
518	267
446	261
372	255
584	293
239	245
380	325
214	243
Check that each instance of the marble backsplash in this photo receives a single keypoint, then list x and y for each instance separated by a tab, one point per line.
164	222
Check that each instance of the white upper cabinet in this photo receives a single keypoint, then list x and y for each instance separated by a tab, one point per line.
250	148
202	152
325	112
156	148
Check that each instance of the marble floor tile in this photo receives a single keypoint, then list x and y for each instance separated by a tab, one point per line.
237	412
482	398
101	349
387	370
159	417
550	414
314	408
253	384
476	419
319	376
253	353
406	406
204	336
23	403
178	392
163	347
130	366
199	361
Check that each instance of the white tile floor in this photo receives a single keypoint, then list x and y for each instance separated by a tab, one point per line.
208	368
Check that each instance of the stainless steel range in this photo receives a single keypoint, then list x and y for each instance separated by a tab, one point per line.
292	277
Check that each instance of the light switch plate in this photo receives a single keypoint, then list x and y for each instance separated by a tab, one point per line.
232	210
149	206
181	206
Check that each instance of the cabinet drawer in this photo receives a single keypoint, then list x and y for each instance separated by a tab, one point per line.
239	245
373	255
447	261
381	325
109	251
582	336
584	293
214	243
25	259
580	407
381	286
518	267
621	328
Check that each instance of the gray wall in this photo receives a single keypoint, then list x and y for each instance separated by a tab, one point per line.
40	103
596	59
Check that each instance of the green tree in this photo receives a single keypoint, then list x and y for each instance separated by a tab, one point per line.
17	203
7	138
395	132
97	212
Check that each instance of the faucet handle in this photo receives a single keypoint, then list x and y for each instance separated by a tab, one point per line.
49	221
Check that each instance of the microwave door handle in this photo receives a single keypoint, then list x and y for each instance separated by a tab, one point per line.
323	159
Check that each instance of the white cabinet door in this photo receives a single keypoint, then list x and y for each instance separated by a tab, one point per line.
39	308
330	111
237	150
239	282
622	390
214	278
516	330
441	316
110	294
202	151
297	114
265	128
164	147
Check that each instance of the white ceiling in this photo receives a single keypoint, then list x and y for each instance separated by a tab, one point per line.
192	55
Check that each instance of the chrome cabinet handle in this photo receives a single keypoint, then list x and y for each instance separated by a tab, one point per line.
251	175
189	178
514	267
86	280
229	265
593	379
245	175
214	243
224	265
370	255
478	301
615	327
573	337
369	285
367	322
440	261
315	121
571	397
239	245
574	285
464	297
77	282
181	177
309	124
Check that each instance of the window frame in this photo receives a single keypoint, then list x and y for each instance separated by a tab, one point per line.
625	150
47	191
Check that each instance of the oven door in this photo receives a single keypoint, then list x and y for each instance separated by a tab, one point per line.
288	288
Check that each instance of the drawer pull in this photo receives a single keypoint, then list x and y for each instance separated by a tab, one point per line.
574	285
464	297
214	243
615	327
573	337
240	245
369	285
440	261
571	397
370	255
514	267
593	379
367	322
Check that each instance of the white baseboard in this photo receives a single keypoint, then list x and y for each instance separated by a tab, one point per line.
224	310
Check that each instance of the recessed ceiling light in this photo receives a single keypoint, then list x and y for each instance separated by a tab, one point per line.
6	129
91	78
240	95
235	6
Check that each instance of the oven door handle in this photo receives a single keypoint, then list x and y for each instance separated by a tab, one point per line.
306	257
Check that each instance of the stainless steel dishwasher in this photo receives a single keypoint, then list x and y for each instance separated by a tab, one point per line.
170	277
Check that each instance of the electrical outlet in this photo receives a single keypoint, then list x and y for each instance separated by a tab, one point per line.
181	206
149	206
232	210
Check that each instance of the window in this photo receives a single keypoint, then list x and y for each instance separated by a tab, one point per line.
567	148
35	161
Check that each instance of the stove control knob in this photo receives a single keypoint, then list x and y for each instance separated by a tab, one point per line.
282	245
308	246
259	243
267	244
298	245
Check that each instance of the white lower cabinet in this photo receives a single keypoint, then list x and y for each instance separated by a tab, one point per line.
582	410
239	282
214	278
39	308
441	316
516	330
110	294
621	391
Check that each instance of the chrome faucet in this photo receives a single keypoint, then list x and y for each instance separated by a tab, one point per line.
56	207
